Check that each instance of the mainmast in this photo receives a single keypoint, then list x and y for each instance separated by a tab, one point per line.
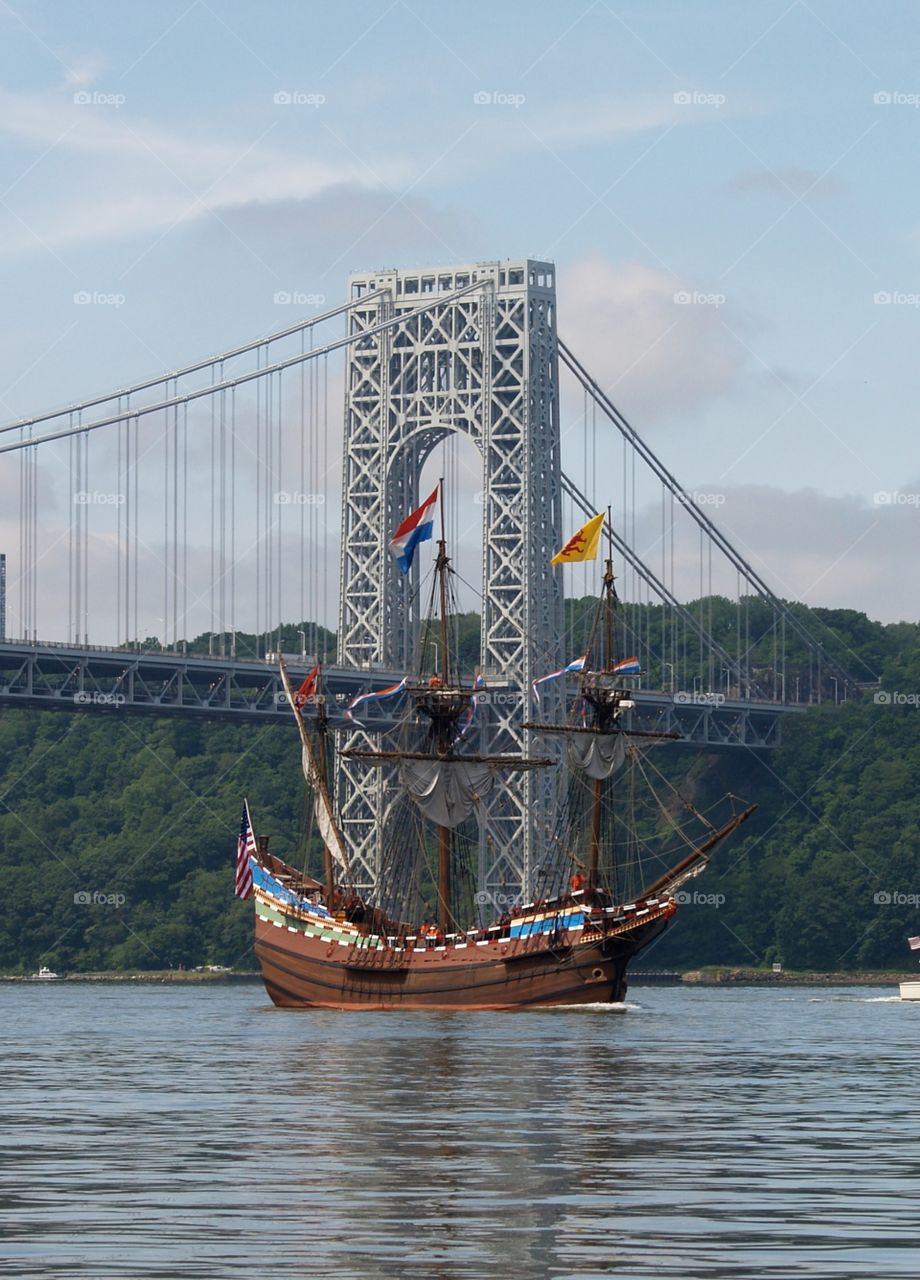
441	568
445	781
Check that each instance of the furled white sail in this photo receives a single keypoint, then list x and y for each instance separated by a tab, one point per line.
322	805
596	754
446	791
322	811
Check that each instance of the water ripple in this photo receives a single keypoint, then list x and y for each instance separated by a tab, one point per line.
158	1133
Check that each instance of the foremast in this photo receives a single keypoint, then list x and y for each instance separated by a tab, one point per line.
314	758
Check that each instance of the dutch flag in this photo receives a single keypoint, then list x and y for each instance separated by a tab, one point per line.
413	530
628	667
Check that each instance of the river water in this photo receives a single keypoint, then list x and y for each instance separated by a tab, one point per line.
195	1131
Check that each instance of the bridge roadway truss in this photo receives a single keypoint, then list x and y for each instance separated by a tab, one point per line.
234	690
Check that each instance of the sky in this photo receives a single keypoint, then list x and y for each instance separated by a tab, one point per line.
729	192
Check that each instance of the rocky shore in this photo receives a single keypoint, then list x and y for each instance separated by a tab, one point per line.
159	975
716	976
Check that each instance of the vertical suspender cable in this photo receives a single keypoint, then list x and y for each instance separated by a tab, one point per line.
212	622
322	475
165	619
233	522
118	519
70	515
175	525
279	481
86	540
134	576
222	557
303	487
185	627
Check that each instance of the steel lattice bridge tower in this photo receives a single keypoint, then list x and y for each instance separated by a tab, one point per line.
481	361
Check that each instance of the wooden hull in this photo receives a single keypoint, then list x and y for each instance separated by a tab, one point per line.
301	971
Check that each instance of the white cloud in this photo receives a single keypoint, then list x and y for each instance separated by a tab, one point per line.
651	351
788	182
83	71
834	552
135	177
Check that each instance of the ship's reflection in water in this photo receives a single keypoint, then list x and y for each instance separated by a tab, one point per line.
169	1132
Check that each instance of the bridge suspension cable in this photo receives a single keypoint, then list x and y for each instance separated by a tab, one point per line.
707	526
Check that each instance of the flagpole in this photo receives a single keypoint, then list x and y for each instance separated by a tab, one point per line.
442	587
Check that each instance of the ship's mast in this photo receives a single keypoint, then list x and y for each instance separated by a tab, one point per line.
444	780
606	664
444	886
322	769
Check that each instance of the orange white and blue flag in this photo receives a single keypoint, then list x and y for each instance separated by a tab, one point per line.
628	667
577	665
374	697
245	849
413	530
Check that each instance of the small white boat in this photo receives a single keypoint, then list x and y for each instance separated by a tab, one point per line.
910	990
44	975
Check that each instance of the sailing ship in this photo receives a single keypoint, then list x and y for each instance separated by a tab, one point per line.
605	890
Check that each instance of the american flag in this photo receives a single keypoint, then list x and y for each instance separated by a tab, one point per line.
245	846
914	944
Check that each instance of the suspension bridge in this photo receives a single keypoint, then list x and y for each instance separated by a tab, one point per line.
171	531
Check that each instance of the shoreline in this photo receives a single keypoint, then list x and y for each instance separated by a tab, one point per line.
724	976
710	976
180	976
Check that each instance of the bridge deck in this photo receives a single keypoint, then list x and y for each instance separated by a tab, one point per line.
118	681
